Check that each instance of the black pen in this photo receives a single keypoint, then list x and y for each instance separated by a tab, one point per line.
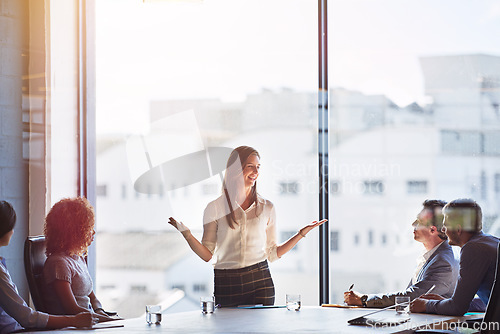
350	289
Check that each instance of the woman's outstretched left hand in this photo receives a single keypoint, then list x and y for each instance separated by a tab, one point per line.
178	225
307	228
290	243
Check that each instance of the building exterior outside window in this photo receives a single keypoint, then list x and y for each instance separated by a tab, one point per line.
289	188
403	127
334	241
417	187
373	187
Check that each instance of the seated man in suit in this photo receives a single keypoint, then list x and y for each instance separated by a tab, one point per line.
463	226
437	265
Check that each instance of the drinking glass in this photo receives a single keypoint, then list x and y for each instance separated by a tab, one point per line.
207	304
292	302
403	309
153	314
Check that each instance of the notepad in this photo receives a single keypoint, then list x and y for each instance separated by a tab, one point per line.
260	306
378	321
96	326
370	320
340	306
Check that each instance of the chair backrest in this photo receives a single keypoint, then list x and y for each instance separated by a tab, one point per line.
492	315
34	260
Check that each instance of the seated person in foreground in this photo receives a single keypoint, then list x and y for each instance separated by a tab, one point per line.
463	226
69	231
437	266
14	312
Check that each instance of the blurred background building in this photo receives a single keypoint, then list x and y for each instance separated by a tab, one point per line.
89	103
385	161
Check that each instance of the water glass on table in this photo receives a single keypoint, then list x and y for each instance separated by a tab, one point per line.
207	304
404	308
153	314
293	302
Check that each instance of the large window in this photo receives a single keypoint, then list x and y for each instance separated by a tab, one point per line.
177	84
414	108
414	103
40	115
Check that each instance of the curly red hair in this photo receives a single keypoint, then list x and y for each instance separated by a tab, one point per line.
69	226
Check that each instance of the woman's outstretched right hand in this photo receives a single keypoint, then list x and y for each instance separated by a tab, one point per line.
195	245
178	225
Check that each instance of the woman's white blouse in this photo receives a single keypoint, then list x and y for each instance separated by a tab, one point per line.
252	240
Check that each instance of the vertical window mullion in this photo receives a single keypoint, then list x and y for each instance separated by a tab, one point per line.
323	140
86	110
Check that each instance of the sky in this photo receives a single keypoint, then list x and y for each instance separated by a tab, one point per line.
227	49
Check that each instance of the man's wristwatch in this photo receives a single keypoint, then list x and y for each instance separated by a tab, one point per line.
364	298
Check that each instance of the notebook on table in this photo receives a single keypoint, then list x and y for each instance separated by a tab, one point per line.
368	320
384	321
378	321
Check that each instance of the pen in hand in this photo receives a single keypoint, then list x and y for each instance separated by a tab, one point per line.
425	293
429	291
350	290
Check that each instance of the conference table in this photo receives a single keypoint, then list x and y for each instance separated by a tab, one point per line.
309	319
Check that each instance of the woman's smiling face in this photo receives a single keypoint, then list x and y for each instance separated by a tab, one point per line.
251	170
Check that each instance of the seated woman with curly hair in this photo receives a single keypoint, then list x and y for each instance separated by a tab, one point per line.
69	231
14	312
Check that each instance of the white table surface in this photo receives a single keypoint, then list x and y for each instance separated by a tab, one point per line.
310	319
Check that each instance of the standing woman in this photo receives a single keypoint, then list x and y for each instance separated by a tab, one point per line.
14	312
69	231
239	229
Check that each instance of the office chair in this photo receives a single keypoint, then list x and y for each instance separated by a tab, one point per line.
34	259
491	321
492	315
